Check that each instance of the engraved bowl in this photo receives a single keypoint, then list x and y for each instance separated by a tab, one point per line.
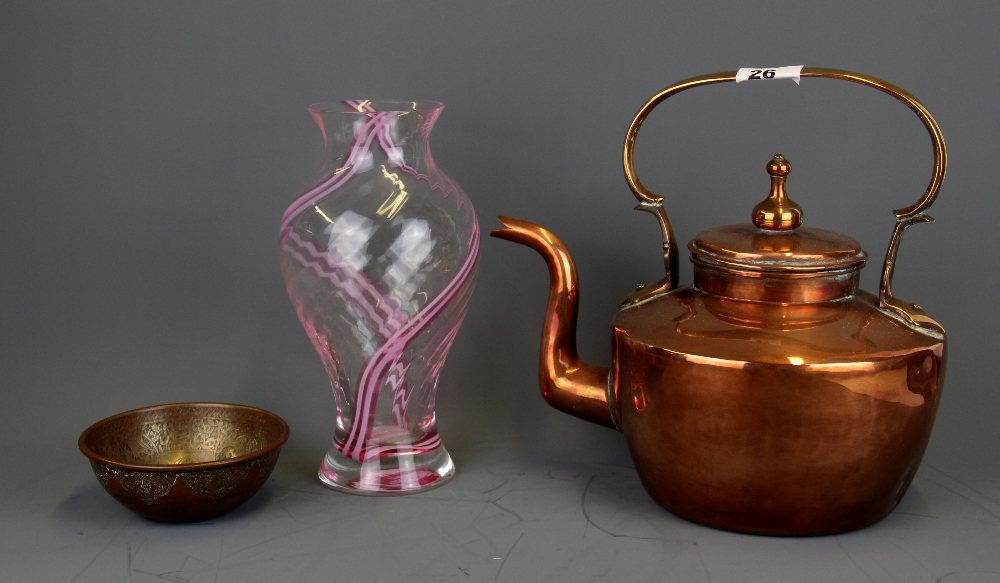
186	461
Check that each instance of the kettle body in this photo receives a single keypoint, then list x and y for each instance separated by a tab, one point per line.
770	427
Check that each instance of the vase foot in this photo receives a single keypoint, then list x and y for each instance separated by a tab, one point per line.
387	476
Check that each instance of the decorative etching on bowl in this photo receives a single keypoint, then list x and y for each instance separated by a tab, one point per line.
184	462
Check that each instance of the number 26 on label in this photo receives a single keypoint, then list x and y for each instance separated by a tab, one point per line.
761	74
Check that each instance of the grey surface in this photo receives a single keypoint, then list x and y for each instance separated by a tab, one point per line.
147	151
505	517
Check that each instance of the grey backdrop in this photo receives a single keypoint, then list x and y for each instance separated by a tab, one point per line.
148	149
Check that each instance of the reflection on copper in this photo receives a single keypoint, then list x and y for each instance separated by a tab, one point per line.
816	289
778	211
712	361
922	375
638	397
896	382
776	243
774	316
746	249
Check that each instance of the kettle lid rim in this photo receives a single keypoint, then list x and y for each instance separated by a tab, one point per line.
746	247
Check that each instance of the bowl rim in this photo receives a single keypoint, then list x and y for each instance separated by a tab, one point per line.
179	468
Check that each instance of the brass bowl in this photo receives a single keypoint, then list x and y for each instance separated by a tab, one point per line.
186	461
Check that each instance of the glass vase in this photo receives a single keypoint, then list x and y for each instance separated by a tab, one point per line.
379	256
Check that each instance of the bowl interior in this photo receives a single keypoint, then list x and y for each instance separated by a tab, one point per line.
184	434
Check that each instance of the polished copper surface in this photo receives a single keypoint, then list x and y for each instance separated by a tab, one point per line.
772	396
567	383
186	461
774	245
778	212
749	248
780	426
811	288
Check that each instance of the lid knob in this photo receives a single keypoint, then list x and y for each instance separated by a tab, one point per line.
777	212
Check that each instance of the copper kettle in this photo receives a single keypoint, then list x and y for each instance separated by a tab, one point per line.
772	396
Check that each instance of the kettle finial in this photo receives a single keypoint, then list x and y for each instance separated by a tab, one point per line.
778	212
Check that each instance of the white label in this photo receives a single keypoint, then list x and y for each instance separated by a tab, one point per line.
764	73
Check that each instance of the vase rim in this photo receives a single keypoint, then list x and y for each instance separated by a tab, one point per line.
380	105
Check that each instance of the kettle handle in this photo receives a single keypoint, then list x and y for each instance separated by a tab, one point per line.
910	313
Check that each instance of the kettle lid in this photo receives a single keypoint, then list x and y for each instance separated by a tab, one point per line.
775	242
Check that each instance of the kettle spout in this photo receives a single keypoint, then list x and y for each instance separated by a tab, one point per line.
567	383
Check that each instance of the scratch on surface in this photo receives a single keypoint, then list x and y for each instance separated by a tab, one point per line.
484	537
519	518
502	497
575	475
915	514
960	482
456	500
497	487
176	576
962	496
704	566
99	553
848	555
504	561
132	553
289	513
590	521
616	465
946	575
218	560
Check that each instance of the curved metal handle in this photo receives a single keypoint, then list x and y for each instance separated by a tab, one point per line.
906	216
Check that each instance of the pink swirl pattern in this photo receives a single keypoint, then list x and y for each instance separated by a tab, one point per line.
387	365
380	362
